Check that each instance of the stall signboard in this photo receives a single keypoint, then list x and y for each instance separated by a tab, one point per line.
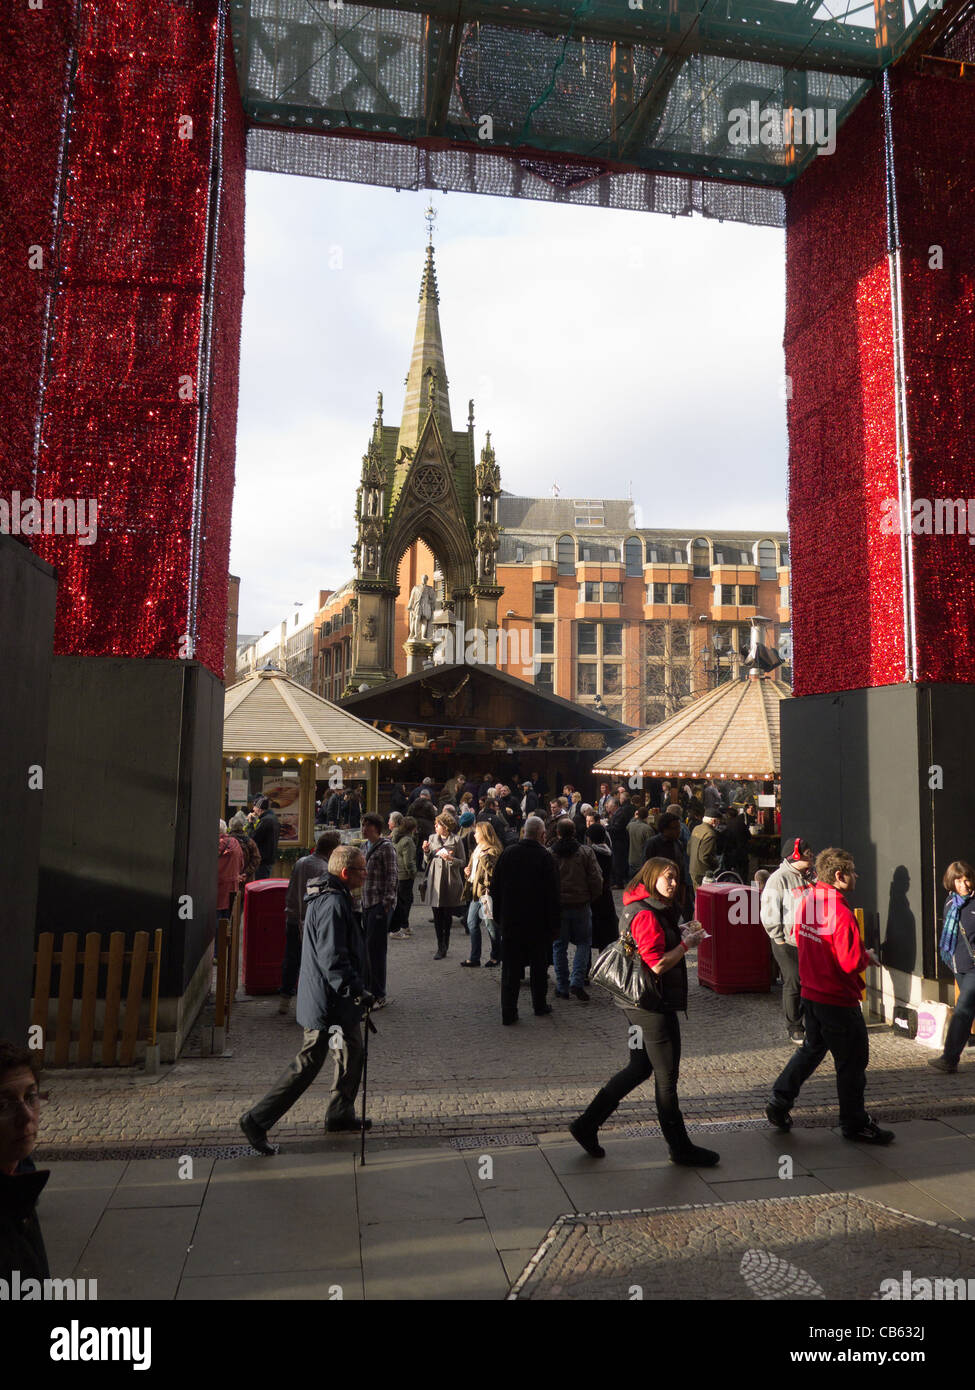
284	790
764	799
237	794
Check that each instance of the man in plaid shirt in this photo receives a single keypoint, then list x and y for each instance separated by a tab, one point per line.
378	900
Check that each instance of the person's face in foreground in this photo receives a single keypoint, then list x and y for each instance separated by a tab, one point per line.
963	887
354	875
666	885
19	1108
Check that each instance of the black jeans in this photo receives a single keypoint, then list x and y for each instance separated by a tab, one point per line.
788	960
442	917
375	925
961	1020
346	1049
842	1032
291	964
654	1050
621	856
516	954
404	901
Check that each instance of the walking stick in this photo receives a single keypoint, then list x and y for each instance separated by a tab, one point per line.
370	1028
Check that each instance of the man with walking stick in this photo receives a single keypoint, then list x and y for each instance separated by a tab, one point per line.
331	1002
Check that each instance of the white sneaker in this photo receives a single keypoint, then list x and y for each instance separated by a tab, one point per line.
398	936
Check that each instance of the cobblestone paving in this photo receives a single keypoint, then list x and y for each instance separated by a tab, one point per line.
442	1066
838	1246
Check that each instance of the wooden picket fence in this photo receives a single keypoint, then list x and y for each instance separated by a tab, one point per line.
228	967
117	1045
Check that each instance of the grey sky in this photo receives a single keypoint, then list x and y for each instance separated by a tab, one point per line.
603	350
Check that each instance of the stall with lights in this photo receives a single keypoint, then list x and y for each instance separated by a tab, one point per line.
280	739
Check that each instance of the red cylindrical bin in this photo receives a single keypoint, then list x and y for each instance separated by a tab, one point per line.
263	935
736	956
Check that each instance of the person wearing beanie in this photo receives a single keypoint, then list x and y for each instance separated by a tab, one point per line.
779	901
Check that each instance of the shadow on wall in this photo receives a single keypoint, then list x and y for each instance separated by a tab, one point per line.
900	938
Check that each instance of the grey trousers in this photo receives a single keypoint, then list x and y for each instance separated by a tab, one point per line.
345	1045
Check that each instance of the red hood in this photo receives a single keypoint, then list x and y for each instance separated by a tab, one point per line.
633	895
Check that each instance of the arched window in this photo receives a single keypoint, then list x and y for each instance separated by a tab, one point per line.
566	555
766	558
633	552
699	555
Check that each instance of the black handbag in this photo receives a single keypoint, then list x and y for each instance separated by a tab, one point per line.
621	971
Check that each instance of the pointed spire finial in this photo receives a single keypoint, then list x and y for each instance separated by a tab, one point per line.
379	405
431	217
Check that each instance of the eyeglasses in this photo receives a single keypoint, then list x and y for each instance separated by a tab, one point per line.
9	1104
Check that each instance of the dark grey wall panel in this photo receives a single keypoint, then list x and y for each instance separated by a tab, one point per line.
850	778
130	822
27	596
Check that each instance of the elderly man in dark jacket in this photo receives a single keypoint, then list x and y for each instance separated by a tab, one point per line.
307	868
331	1001
525	895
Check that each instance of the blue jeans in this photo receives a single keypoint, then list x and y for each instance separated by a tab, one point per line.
577	928
474	927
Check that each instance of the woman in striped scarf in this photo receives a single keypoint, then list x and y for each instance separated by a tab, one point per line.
957	948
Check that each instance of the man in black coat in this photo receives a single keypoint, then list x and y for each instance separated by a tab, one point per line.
21	1242
735	843
265	835
619	839
525	896
331	1001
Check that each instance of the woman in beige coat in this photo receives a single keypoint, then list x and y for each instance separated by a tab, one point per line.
445	859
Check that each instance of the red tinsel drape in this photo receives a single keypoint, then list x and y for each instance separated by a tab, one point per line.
850	589
125	95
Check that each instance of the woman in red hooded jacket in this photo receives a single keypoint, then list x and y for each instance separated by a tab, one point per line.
650	904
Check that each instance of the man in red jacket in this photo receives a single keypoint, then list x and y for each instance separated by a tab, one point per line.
831	961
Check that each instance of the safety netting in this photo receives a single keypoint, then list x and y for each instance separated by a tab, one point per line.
675	106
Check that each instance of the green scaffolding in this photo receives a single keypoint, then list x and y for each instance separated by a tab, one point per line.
674	106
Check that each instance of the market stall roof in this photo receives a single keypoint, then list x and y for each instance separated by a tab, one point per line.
270	715
731	732
478	698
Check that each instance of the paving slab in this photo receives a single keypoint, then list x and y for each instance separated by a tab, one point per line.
518	1218
515	1261
566	1157
305	1285
750	1189
139	1253
156	1182
71	1206
432	1260
421	1186
664	1185
278	1215
510	1169
952	1186
903	1196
